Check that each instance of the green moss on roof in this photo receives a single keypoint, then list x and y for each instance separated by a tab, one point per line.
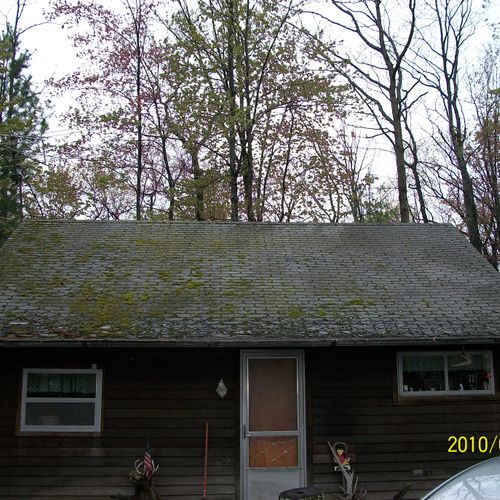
296	312
189	280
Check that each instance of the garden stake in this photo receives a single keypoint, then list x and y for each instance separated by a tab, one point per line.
205	471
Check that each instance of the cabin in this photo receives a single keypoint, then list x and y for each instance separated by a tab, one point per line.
281	337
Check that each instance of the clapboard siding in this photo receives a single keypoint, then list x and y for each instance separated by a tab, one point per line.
170	394
166	394
352	398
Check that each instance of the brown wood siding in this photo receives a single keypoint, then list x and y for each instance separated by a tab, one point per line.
168	394
353	398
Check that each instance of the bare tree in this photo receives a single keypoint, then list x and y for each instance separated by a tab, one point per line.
484	90
440	68
378	78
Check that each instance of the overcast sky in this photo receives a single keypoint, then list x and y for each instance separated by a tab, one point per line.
51	51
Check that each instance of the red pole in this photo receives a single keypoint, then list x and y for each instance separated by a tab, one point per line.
205	472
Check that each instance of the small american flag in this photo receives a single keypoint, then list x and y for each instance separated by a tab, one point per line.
148	462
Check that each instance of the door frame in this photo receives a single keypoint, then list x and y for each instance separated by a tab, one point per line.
245	355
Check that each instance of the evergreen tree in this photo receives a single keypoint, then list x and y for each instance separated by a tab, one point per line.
21	126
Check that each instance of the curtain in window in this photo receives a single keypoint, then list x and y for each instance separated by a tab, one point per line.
68	385
423	363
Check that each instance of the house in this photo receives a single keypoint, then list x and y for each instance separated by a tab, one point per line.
382	337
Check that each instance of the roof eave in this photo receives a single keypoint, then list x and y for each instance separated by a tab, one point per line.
252	343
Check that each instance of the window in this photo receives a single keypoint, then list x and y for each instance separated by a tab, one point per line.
444	373
61	400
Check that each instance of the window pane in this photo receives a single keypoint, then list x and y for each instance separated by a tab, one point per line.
66	385
469	372
273	451
272	388
423	373
55	414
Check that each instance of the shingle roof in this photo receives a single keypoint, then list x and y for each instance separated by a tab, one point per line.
238	282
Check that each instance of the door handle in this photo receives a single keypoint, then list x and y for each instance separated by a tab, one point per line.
244	432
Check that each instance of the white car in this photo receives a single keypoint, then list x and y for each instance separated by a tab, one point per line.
479	482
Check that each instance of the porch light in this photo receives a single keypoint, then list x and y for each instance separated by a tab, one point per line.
221	389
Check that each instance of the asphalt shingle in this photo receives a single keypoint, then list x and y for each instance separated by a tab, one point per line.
237	282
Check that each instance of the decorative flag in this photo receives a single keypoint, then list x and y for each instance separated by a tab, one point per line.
148	462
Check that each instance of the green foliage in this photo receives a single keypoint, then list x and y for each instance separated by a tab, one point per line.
379	207
238	71
382	214
235	107
54	194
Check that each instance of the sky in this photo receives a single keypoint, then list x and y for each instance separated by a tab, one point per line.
52	54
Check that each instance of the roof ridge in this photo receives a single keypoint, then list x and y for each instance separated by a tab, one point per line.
242	223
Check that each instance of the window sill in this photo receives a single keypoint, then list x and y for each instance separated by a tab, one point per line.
58	434
441	398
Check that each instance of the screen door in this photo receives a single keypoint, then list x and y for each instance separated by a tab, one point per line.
272	423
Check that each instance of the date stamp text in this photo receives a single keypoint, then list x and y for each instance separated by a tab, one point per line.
473	444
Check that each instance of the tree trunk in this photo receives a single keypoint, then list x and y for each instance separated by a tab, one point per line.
138	83
287	164
231	95
471	219
248	175
420	192
399	151
198	188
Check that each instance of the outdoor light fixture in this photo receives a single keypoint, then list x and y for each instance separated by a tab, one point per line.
221	389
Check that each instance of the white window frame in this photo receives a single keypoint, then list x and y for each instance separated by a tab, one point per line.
446	392
97	400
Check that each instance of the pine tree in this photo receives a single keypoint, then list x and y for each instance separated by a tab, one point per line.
21	126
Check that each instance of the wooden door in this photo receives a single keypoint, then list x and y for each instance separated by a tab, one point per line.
272	423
